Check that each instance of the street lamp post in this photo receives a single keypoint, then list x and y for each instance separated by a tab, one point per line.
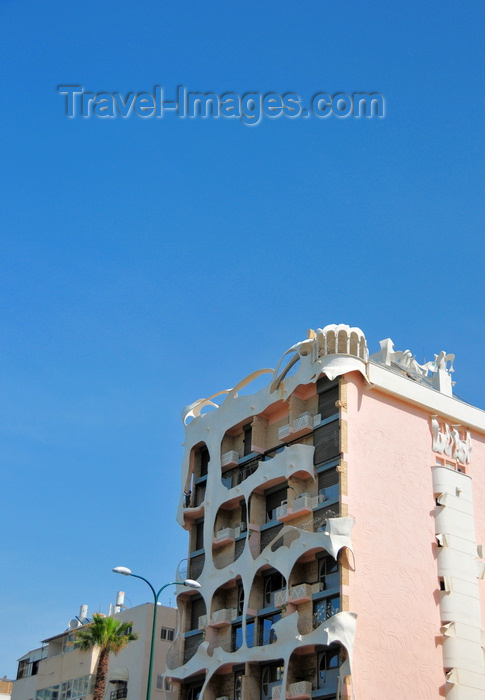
190	583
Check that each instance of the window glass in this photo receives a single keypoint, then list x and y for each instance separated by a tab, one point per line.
240	598
250	629
197	610
325	608
199	535
237	635
204	460
328	665
326	440
195	692
267	635
23	668
328	572
248	431
328	484
272	582
238	676
273	501
271	676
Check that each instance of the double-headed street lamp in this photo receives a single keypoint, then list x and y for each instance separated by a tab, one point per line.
188	582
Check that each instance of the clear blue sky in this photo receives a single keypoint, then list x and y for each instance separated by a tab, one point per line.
148	263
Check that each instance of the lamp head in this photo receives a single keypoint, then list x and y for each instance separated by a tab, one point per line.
122	570
191	583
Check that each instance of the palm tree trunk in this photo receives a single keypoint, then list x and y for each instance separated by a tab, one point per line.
101	674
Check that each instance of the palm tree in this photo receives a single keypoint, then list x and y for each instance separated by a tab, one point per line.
109	635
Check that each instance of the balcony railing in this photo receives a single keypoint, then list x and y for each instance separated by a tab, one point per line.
229	534
236	476
300	593
225	535
301	425
223	617
231	457
300	690
301	504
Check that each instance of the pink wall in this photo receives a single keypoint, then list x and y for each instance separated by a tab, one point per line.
477	473
394	587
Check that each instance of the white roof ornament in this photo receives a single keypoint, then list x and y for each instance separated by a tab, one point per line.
436	373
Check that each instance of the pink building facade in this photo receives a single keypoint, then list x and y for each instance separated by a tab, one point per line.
336	518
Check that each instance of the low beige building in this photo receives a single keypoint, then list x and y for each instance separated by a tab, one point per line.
5	688
60	671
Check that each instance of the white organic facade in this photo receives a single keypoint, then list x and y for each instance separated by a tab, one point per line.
272	515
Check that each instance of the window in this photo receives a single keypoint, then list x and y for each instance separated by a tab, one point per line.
192	643
247	440
167	633
204	460
199	535
68	643
328	394
23	668
271	676
243	511
325	608
68	690
328	485
267	635
328	666
238	679
328	572
35	668
197	610
163	683
194	692
237	635
121	691
273	501
272	582
327	442
240	598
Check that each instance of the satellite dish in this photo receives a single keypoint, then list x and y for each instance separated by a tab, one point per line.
74	623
